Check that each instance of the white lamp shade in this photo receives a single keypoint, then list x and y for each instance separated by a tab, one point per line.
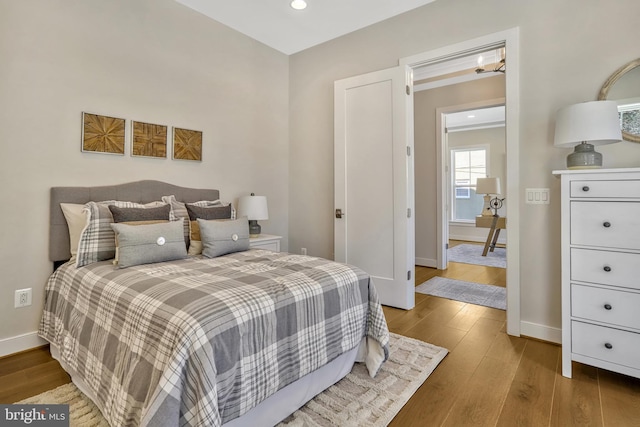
594	122
488	186
253	207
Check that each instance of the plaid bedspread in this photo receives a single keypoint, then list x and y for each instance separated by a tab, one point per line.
200	341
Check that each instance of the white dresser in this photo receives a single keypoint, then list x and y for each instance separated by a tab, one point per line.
601	269
265	241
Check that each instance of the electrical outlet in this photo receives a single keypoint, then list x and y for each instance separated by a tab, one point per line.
303	251
23	298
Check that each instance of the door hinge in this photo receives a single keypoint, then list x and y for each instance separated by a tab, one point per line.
408	89
408	151
446	246
409	213
409	275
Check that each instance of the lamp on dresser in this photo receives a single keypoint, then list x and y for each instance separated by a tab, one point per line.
487	186
587	124
255	209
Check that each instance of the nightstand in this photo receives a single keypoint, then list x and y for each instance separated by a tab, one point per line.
265	241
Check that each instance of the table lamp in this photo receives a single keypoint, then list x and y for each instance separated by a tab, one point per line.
587	124
487	186
255	209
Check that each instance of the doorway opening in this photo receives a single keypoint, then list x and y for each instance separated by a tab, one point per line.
439	61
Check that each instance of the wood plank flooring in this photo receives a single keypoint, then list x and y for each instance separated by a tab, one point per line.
492	379
487	379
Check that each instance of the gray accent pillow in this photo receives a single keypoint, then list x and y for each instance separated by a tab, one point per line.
203	212
220	237
139	214
213	212
145	244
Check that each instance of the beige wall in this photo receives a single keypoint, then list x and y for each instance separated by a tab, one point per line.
425	104
567	50
147	60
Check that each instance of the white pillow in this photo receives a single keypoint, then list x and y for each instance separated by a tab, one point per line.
77	219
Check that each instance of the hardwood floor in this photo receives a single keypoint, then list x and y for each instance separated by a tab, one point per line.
492	379
487	379
29	373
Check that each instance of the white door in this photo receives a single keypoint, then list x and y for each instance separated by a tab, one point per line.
374	224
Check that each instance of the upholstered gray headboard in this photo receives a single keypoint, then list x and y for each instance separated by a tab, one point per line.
139	192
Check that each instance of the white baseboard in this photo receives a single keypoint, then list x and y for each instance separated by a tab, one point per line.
20	343
541	332
426	262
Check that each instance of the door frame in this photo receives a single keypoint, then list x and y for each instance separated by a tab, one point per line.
510	38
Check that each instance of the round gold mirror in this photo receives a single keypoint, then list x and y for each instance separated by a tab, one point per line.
624	87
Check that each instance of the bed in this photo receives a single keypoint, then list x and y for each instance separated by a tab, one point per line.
244	338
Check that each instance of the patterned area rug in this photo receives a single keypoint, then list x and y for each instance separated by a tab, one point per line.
474	293
378	400
472	254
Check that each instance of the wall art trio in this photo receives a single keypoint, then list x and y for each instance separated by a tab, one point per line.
104	134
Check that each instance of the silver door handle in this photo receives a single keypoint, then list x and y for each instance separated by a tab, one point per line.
339	213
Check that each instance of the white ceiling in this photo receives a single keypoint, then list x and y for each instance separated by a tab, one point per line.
276	24
473	119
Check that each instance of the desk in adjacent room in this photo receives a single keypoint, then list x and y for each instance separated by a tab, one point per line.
495	224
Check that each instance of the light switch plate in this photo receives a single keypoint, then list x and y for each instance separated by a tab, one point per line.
537	196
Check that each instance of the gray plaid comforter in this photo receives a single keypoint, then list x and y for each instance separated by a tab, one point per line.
200	341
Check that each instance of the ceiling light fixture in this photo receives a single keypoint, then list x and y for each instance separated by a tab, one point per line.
298	4
501	63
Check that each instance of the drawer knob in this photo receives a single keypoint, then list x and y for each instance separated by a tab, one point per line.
585	188
608	345
607	268
607	306
606	224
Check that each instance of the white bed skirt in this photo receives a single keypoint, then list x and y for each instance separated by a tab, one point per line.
276	407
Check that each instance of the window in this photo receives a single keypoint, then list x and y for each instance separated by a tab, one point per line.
467	165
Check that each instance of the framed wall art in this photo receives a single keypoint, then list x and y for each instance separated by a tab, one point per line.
148	140
102	134
187	144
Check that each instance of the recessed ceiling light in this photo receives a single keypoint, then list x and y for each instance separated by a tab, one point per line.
298	4
471	116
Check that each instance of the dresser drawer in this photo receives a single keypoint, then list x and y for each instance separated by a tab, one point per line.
606	189
606	267
592	341
605	305
606	224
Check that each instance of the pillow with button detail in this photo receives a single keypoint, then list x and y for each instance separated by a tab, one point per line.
138	216
97	240
206	213
221	237
149	243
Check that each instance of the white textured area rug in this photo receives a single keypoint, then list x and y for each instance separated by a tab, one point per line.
474	293
356	400
472	254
